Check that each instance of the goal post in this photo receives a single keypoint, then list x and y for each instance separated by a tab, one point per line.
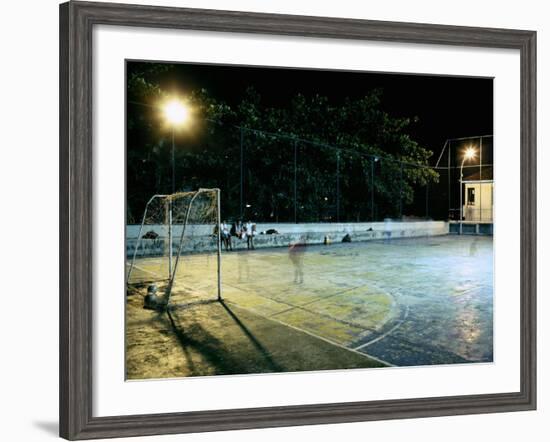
177	247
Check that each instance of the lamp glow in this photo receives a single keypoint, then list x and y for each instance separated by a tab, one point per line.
470	153
176	112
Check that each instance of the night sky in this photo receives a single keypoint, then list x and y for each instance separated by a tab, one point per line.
446	107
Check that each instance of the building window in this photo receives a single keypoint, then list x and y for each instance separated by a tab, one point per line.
471	200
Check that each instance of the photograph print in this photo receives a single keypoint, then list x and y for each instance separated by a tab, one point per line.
289	220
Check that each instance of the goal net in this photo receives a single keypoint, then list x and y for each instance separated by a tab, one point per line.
175	252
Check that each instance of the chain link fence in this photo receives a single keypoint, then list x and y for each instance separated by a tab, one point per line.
278	178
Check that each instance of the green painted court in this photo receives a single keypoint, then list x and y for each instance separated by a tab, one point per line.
402	302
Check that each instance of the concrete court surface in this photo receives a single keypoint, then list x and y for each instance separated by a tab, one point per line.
402	302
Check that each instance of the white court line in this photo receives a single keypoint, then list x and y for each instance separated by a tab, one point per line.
366	355
390	331
145	271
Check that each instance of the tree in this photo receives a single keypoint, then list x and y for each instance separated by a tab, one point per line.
337	147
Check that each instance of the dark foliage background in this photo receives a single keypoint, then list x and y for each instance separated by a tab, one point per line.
290	145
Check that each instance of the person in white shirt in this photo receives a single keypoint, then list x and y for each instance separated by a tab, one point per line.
250	231
226	237
239	229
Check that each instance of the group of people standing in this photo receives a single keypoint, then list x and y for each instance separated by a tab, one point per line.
242	231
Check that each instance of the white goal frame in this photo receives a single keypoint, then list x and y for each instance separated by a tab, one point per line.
172	269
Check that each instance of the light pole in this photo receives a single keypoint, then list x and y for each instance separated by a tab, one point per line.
177	114
469	154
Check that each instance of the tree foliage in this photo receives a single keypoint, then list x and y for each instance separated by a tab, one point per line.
335	158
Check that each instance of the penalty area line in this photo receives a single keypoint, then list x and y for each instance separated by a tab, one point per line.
328	341
389	332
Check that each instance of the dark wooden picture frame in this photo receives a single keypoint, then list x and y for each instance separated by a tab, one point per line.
77	20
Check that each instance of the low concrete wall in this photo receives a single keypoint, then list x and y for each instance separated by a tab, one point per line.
314	233
471	228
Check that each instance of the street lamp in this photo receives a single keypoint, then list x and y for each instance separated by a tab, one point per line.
469	154
176	114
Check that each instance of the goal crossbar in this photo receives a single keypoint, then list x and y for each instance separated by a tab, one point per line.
169	201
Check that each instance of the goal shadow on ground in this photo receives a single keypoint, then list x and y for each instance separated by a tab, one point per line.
221	338
213	349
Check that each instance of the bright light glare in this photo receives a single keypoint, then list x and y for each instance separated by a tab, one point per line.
176	112
470	153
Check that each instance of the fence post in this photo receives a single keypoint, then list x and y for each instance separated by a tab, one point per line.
295	181
219	241
427	203
449	180
242	171
401	190
337	186
480	177
372	188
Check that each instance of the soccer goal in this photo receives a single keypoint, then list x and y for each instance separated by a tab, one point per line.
176	250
